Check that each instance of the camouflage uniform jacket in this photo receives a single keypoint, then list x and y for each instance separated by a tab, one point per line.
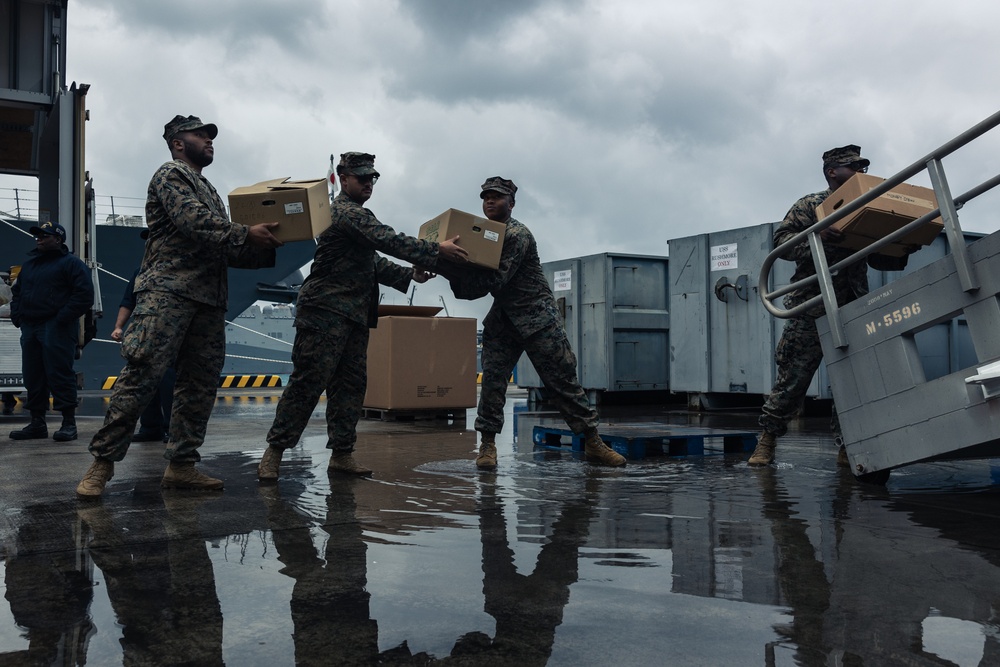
347	270
521	294
849	283
191	239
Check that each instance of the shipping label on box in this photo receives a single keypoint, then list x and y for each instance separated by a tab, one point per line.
421	362
301	207
882	216
481	238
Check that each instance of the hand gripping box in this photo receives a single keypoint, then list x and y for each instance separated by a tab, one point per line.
302	207
884	215
420	362
481	238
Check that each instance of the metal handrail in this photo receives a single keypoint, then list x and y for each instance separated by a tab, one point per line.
947	210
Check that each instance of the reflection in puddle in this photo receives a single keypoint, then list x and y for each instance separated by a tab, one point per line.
546	561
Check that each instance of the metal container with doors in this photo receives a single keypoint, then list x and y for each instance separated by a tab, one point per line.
614	307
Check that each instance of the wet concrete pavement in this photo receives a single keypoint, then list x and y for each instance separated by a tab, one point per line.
669	561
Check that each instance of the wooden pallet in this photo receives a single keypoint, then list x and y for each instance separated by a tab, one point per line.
636	441
450	414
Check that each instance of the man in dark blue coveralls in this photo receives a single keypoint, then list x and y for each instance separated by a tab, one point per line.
51	294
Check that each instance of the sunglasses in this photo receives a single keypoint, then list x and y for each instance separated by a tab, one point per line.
856	166
367	178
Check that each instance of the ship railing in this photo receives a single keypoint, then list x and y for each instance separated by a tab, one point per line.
947	210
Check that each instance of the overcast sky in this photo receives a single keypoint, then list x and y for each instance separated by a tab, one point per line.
624	123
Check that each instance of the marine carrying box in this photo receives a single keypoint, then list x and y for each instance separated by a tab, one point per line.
420	362
302	207
481	238
894	209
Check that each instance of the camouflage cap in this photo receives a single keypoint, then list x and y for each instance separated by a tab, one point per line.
498	184
836	157
188	124
359	164
49	229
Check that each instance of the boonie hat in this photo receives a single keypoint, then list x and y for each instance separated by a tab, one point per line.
49	229
498	184
188	124
359	164
836	157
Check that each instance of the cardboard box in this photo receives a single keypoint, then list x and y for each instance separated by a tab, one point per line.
302	207
420	362
894	209
481	238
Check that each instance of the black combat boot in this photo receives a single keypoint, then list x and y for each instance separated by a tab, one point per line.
67	431
36	430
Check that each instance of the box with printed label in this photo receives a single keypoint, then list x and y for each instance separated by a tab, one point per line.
420	362
301	207
887	213
481	238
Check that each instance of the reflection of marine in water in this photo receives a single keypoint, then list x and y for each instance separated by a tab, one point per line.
527	608
184	624
49	591
330	602
803	582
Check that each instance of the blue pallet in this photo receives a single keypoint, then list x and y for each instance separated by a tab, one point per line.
636	441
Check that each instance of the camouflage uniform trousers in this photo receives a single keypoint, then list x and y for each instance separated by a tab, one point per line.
166	327
552	357
335	360
797	356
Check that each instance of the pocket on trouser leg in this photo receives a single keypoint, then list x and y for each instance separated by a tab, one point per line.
142	342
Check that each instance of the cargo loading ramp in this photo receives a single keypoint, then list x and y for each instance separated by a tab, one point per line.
891	413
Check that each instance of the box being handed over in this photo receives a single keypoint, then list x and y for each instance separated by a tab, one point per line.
301	207
882	216
417	361
481	238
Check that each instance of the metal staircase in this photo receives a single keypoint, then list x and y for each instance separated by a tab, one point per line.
891	413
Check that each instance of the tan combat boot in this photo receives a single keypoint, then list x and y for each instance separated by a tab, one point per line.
268	468
345	463
96	478
183	475
487	459
764	453
596	451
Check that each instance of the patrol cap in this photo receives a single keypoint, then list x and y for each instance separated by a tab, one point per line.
498	184
49	229
836	157
359	164
188	124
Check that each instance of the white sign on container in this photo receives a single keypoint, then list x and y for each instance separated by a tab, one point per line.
563	281
723	257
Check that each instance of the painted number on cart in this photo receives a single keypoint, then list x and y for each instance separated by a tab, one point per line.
895	317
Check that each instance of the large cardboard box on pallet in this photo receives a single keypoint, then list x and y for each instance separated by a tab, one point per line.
882	216
481	238
420	362
301	207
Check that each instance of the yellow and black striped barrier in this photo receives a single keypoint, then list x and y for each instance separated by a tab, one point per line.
479	378
227	381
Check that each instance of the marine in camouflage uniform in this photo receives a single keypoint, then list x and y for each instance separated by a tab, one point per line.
799	353
336	306
179	318
523	318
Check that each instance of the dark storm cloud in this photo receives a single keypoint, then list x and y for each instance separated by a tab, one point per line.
454	21
469	54
235	23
